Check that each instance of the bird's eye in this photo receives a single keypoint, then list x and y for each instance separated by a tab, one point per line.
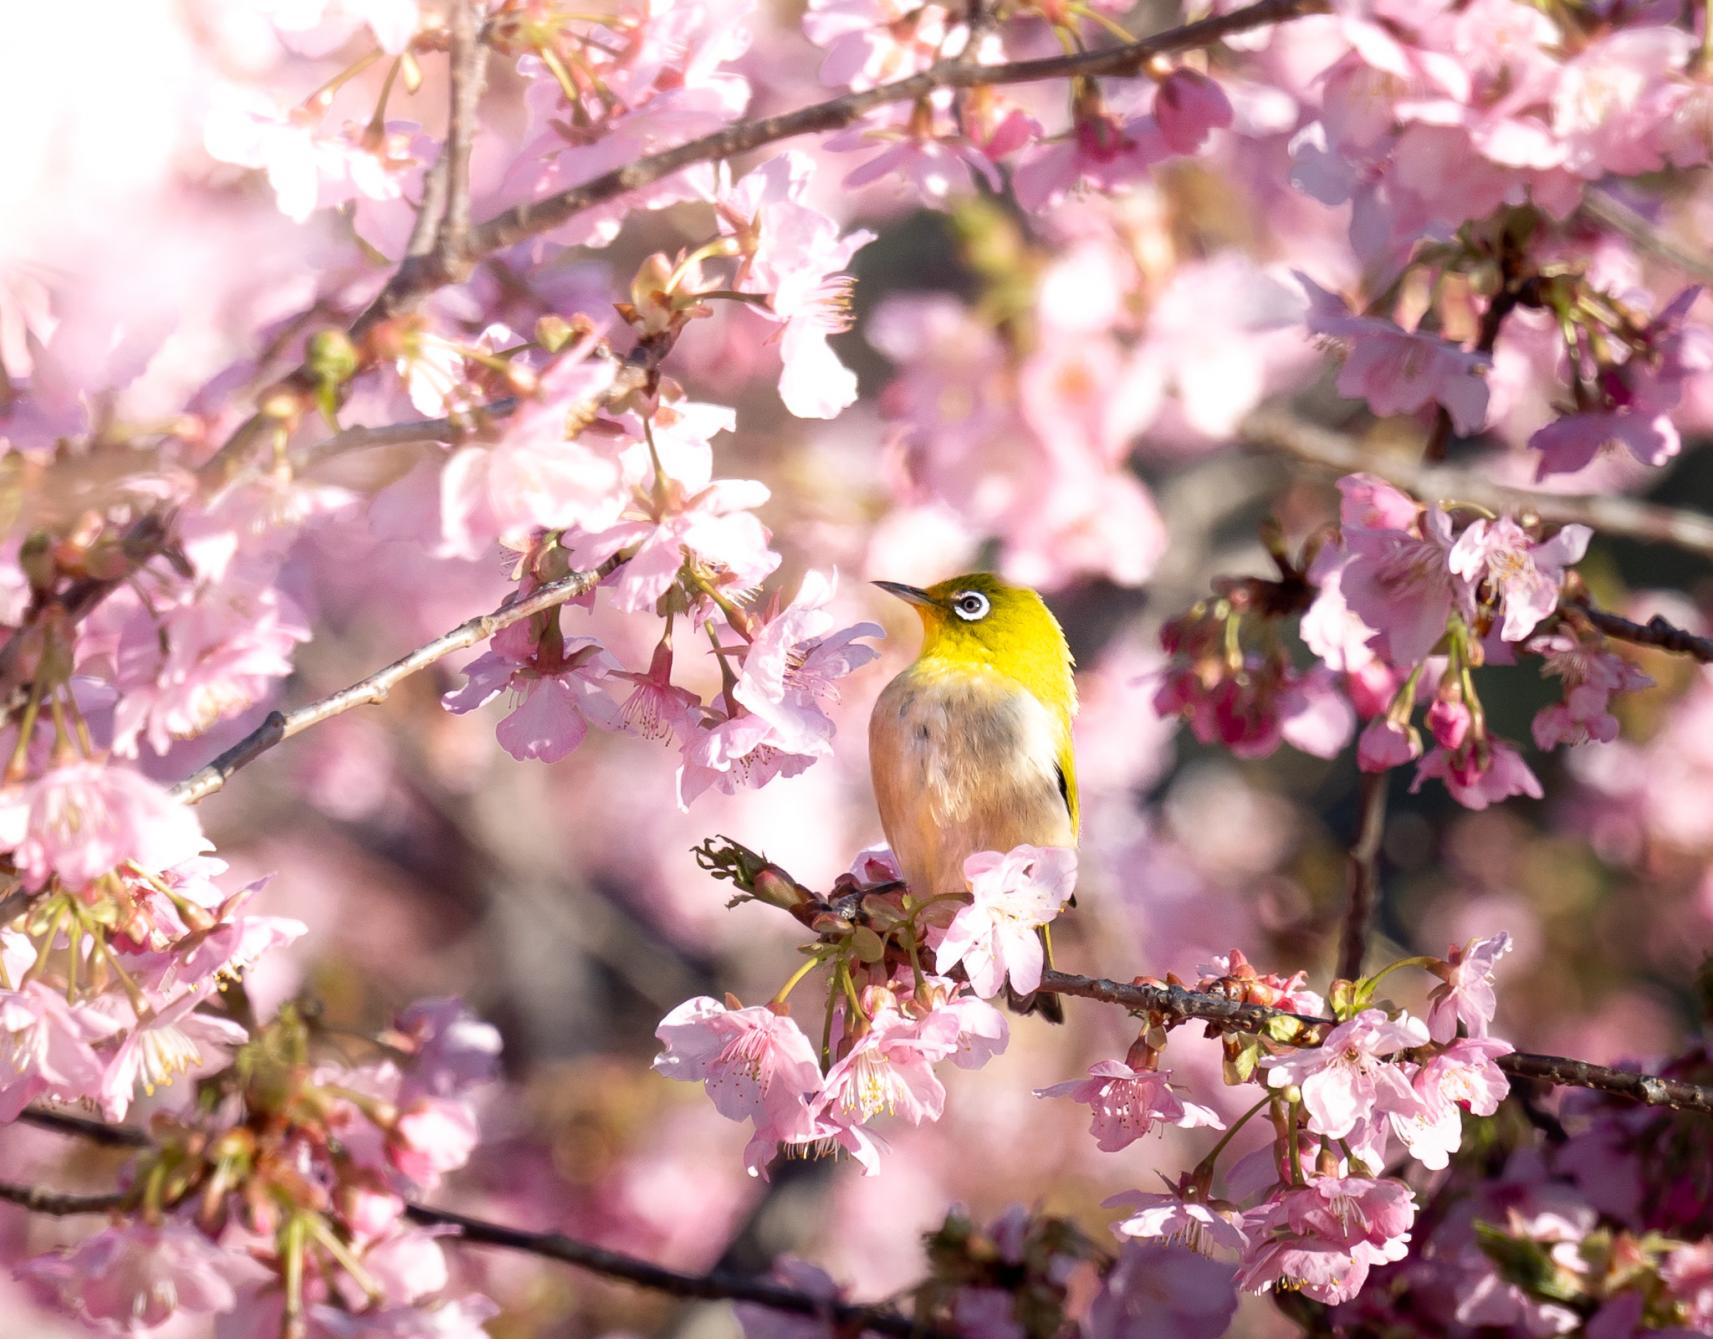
971	605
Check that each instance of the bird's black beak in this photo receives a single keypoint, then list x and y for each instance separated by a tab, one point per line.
909	594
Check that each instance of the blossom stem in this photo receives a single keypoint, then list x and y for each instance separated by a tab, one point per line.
915	957
46	943
1419	960
848	982
325	93
133	992
1293	1142
81	726
1204	1169
26	728
328	1239
734	615
291	1257
1111	25
803	971
378	122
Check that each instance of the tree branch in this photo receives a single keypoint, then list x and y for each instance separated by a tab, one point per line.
280	726
1282	433
526	220
1178	1003
1655	632
1364	876
468	68
717	1285
57	1204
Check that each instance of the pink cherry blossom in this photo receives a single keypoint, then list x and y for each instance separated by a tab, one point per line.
555	705
657	708
1187	106
1449	719
1572	442
715	523
1386	743
756	1064
1688	1273
1125	1104
1172	1218
1100	152
1348	1077
889	1070
1524	576
1166	1291
81	820
135	1277
1398	371
453	1050
539	473
981	1030
166	1044
793	665
1398	579
430	1137
182	670
45	1047
1323	1237
731	752
1462	1077
1477	777
1590	674
1465	994
1013	895
796	256
871	42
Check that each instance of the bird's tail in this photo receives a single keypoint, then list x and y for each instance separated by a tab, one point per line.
1040	1003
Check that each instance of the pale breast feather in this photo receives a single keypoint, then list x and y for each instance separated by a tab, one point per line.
964	764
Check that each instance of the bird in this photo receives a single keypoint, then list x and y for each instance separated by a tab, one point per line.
970	747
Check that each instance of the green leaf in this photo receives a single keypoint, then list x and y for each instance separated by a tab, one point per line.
867	945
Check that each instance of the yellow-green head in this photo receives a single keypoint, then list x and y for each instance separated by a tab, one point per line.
977	620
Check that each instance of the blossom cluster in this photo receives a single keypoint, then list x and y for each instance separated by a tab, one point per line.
1403	602
282	1203
893	1010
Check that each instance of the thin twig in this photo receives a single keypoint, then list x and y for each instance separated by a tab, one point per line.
1646	235
1179	1003
1280	432
468	68
1364	876
537	216
717	1285
714	1286
1656	632
282	725
57	1204
86	1127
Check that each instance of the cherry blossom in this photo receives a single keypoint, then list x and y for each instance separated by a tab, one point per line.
1125	1104
137	1277
81	820
1349	1077
558	695
1524	576
1465	993
1012	896
756	1064
794	663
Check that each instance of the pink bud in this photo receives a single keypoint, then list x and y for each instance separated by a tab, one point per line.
1449	721
1386	744
1187	106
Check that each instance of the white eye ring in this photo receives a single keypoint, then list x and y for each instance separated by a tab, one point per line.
970	605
